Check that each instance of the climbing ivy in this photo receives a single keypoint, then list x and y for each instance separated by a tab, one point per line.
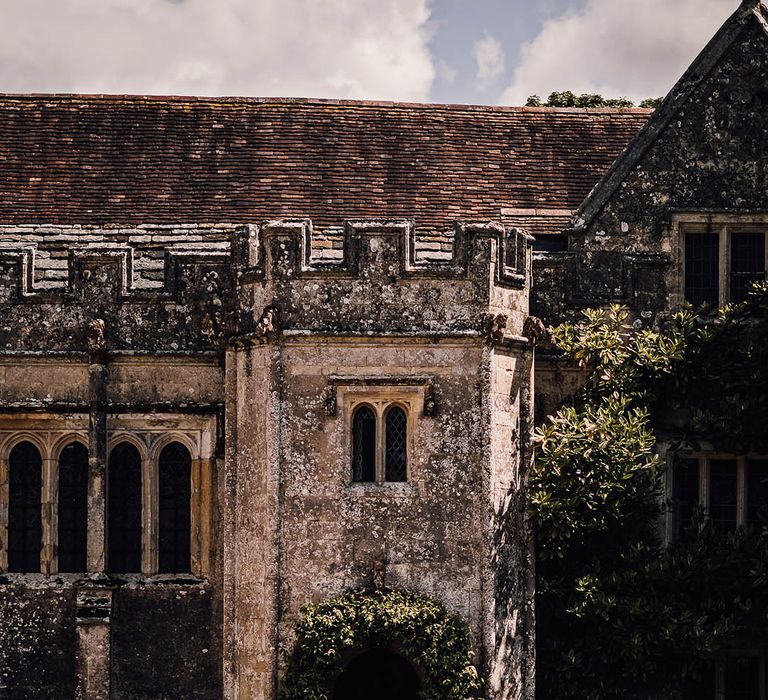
619	614
435	641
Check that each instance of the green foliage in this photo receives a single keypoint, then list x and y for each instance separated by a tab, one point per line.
619	615
570	99
437	642
723	376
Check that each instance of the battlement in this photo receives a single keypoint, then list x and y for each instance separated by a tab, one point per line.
195	285
43	262
292	248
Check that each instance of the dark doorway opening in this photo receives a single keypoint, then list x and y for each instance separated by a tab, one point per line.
377	674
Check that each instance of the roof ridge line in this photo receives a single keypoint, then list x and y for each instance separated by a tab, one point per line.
255	100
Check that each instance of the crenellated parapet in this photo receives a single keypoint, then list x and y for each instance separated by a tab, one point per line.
408	253
45	263
383	279
193	286
157	288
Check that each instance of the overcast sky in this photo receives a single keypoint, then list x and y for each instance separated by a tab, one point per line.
478	51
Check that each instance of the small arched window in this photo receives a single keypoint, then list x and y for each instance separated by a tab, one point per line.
364	444
73	508
396	444
175	474
124	510
25	478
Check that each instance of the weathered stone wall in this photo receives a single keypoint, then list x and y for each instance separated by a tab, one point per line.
164	644
38	643
704	153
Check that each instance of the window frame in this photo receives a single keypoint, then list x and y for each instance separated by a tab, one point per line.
380	399
51	433
724	225
705	458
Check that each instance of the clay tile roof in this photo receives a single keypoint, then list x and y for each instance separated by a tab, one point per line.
97	159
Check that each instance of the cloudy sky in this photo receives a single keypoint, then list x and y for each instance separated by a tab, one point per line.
476	51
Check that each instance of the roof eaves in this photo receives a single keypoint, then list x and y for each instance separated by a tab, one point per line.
663	115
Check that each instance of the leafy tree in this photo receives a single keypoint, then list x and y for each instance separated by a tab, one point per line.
619	615
570	99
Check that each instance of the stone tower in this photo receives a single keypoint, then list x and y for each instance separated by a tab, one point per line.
379	327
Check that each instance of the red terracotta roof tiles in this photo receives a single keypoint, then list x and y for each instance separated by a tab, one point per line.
98	159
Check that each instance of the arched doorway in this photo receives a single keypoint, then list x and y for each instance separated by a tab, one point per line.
377	674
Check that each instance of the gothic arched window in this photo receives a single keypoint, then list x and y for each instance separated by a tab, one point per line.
124	510
73	508
175	477
396	444
25	477
364	444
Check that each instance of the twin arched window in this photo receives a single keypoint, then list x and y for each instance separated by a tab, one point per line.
124	509
379	447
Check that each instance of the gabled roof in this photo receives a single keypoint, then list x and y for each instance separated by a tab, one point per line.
100	159
749	11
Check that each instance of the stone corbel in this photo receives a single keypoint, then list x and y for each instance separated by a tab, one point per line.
493	326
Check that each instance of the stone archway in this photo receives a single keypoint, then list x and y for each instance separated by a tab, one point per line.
377	674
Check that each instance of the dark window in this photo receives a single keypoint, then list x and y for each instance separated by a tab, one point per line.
757	491
364	444
550	243
747	263
686	493
722	493
124	509
396	452
742	678
175	474
25	477
73	508
702	277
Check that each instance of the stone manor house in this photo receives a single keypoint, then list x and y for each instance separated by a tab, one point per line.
255	353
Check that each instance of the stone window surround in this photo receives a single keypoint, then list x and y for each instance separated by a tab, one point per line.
50	434
704	457
723	224
380	393
737	651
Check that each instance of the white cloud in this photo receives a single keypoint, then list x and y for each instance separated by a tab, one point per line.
631	48
374	49
489	57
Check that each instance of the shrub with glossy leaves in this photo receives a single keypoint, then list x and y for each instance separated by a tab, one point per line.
421	629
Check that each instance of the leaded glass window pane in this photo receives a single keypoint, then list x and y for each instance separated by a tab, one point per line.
73	508
124	510
686	493
747	263
757	491
702	268
396	449
364	444
175	473
25	476
742	678
722	493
